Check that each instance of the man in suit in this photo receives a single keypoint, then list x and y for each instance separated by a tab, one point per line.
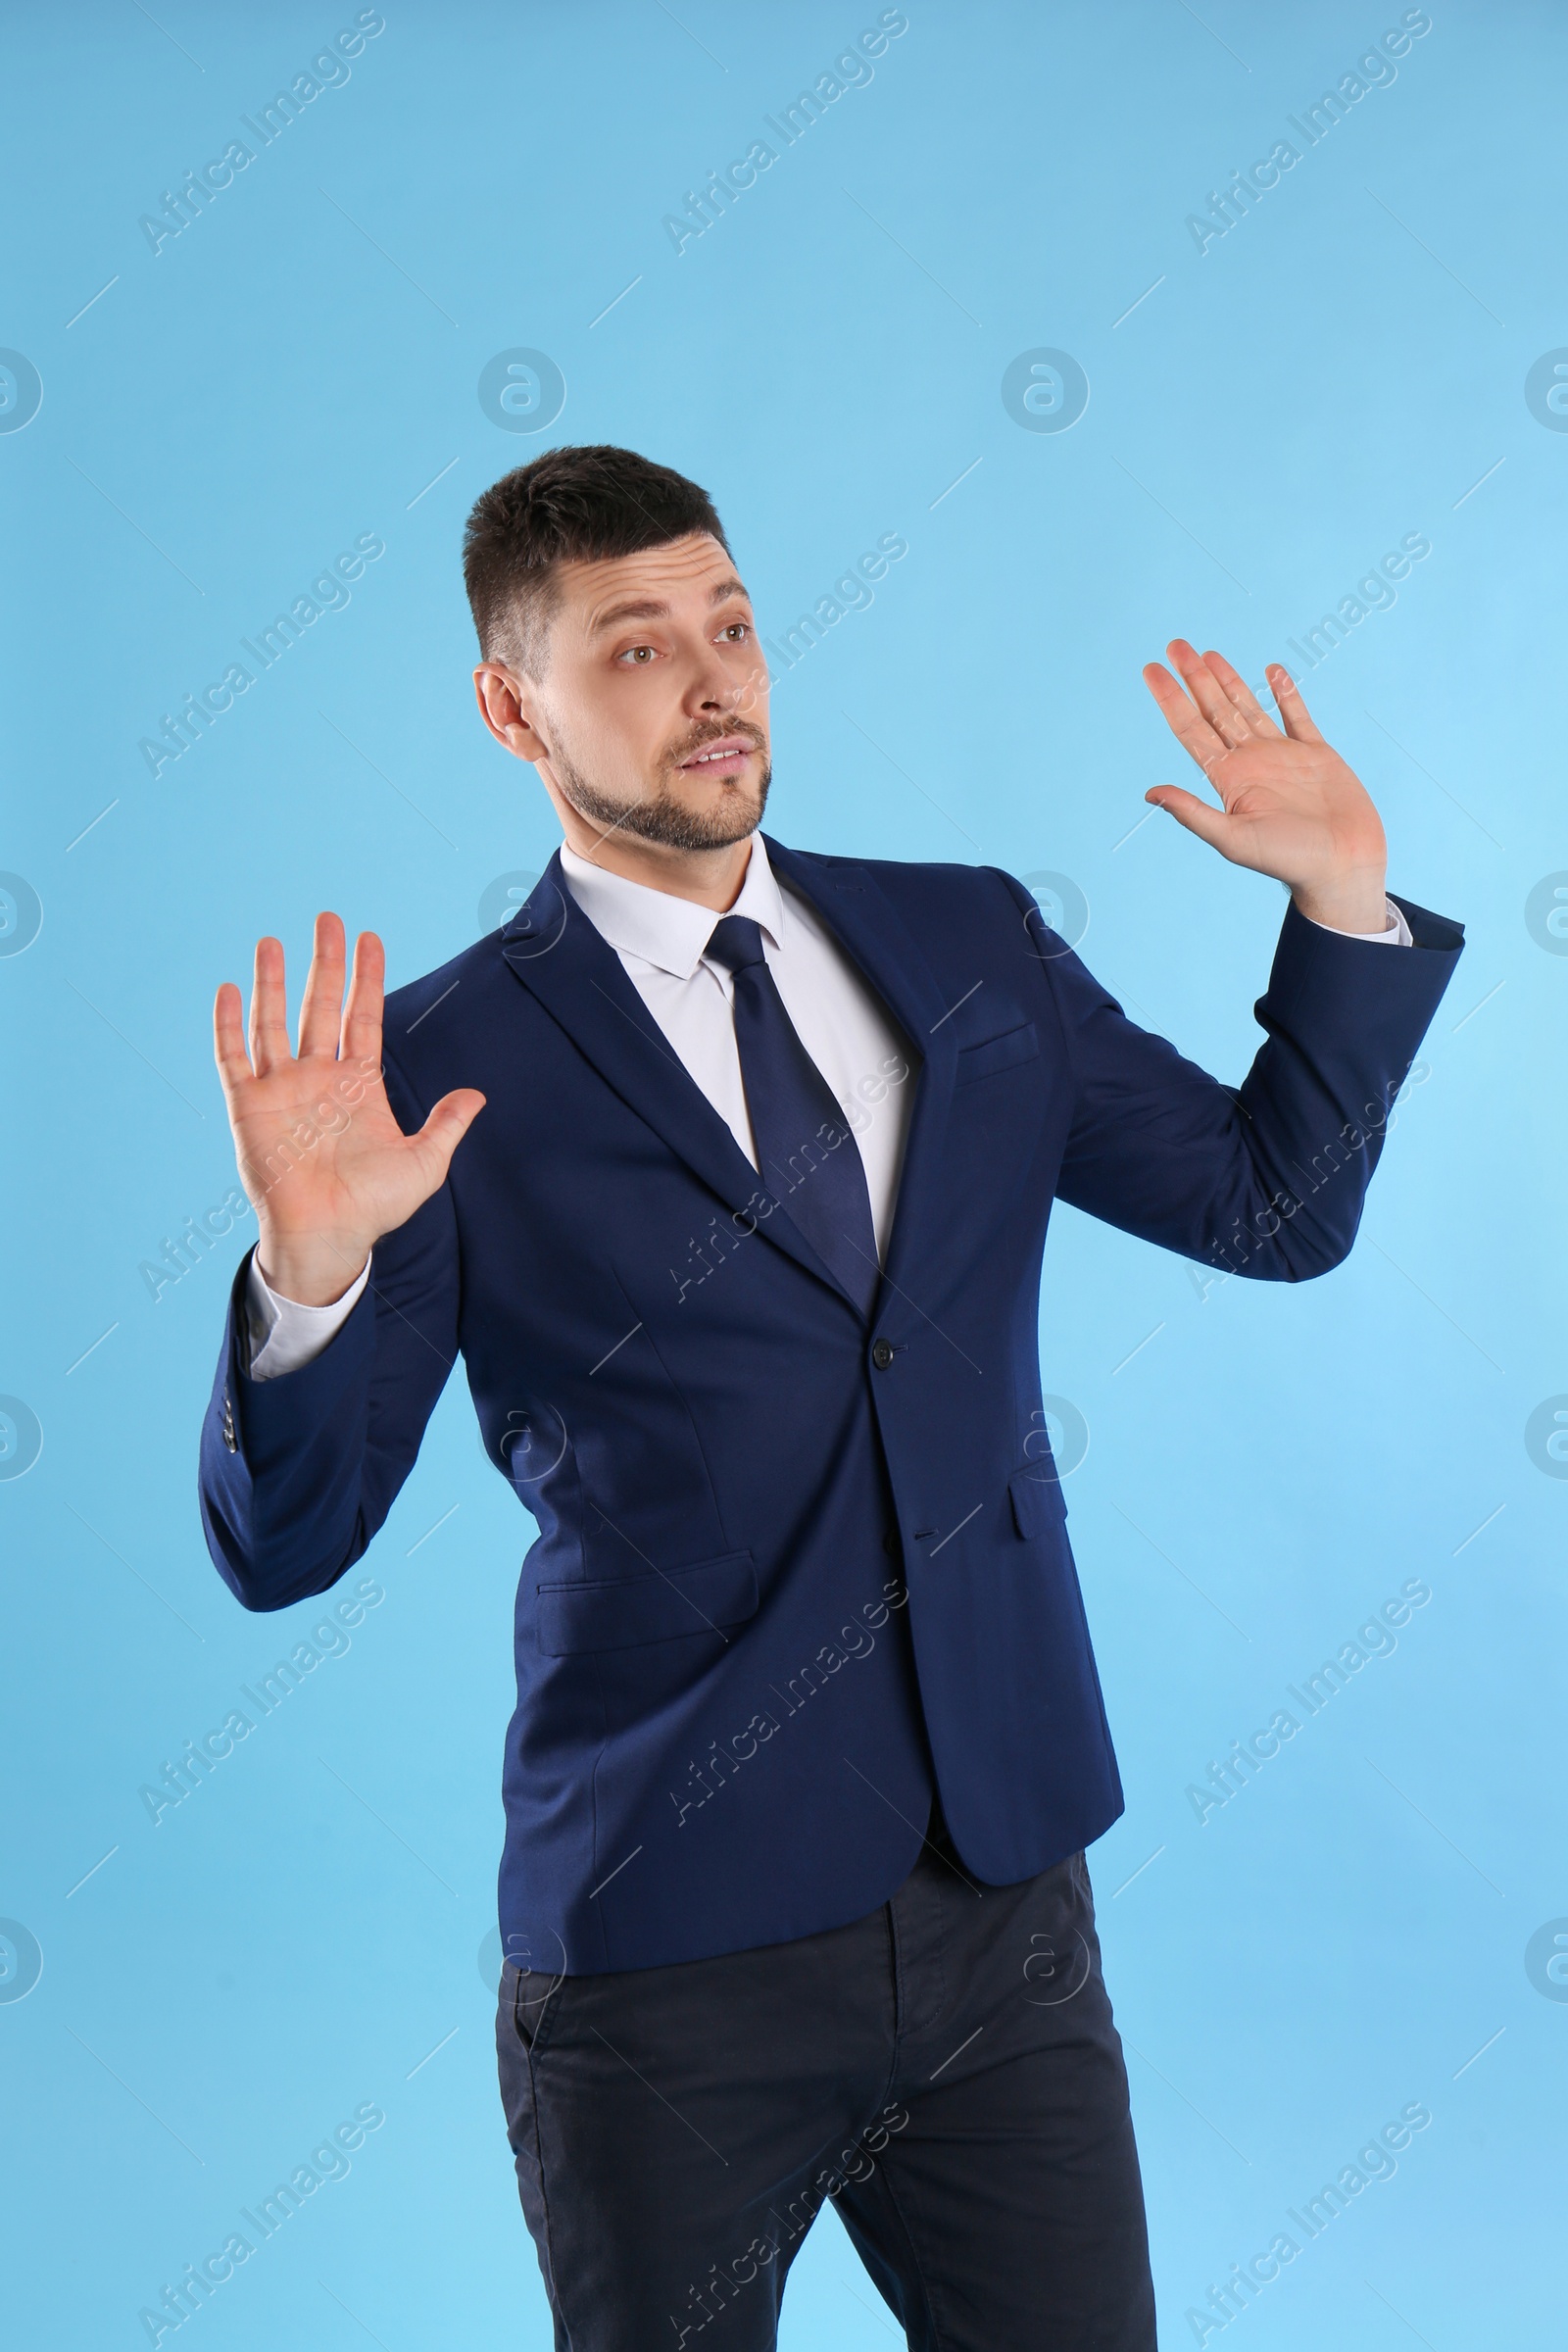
743	1259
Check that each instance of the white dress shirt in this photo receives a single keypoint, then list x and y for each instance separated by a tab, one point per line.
661	940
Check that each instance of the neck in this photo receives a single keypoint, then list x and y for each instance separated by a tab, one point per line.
707	877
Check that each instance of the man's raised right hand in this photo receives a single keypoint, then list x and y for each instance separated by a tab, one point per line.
325	1166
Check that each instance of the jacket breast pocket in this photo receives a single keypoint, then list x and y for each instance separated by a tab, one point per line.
996	1054
1038	1502
665	1605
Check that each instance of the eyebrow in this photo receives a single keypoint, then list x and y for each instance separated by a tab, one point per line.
648	608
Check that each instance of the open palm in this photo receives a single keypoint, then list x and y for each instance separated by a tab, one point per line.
1289	805
321	1154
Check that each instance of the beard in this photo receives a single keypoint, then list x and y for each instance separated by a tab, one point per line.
661	816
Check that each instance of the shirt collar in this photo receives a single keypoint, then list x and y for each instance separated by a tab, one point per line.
659	928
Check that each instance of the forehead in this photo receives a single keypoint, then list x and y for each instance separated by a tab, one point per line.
682	574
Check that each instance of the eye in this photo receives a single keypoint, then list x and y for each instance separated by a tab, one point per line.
737	632
641	655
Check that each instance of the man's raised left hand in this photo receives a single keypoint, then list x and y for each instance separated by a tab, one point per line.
1289	805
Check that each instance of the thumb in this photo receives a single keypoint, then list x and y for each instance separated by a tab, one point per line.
1208	823
447	1125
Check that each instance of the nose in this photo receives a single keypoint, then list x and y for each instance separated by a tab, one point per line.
709	689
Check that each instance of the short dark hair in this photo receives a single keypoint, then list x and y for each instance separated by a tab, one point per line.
579	504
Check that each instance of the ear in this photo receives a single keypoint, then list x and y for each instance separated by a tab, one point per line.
506	705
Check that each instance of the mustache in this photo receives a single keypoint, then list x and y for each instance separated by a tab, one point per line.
699	743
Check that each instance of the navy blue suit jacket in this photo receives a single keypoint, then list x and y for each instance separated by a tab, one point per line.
792	1567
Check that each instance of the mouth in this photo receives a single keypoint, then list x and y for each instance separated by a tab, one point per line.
723	759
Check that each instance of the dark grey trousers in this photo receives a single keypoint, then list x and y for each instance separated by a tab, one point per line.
945	2069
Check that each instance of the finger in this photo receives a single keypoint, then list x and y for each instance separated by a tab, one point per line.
444	1130
1222	714
228	1036
1241	694
270	1048
362	1015
1191	732
321	1009
1209	824
1293	711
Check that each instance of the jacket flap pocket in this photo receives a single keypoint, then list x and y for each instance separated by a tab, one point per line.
664	1606
997	1053
1038	1502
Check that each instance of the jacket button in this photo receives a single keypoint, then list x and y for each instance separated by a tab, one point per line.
882	1354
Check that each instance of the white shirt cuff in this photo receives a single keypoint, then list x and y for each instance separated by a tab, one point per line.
284	1334
1396	931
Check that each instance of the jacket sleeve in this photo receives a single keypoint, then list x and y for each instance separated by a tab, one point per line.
298	1472
1267	1179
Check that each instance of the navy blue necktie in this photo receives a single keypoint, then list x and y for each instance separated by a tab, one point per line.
805	1149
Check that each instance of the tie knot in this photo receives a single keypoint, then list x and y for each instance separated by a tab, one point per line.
735	942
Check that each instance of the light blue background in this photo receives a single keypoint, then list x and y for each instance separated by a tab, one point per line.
293	370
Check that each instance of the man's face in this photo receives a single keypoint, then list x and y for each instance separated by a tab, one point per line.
651	718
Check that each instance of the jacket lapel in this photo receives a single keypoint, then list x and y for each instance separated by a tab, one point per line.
556	954
578	978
